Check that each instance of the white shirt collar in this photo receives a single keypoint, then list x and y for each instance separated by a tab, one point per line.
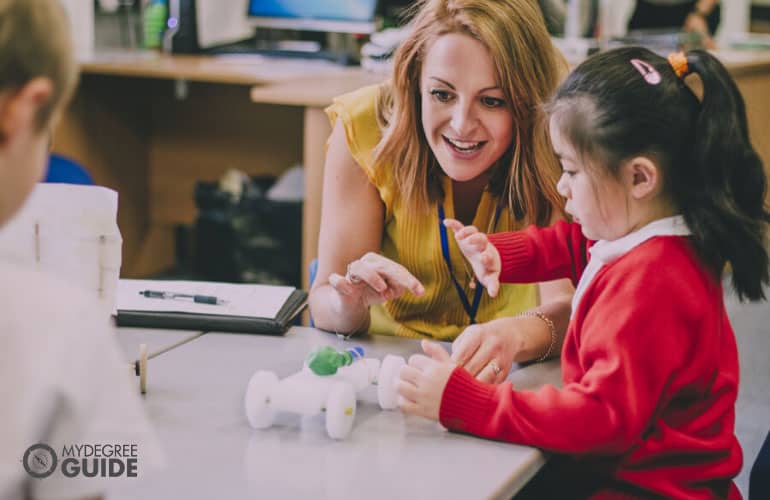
608	251
604	252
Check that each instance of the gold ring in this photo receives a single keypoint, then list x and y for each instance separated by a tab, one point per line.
351	277
495	368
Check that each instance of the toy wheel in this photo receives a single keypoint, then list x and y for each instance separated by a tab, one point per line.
340	410
257	400
143	368
386	382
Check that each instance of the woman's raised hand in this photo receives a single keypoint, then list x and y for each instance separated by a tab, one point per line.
482	255
488	350
374	279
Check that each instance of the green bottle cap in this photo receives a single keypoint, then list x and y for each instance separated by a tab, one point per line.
326	360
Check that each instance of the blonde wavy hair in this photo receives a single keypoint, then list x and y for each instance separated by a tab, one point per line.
528	69
35	41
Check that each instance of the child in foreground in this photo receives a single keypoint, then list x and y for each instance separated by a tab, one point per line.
665	190
63	380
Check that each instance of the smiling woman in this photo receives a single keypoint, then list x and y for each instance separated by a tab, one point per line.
457	132
465	116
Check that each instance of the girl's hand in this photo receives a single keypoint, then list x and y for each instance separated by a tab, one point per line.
482	255
374	279
423	381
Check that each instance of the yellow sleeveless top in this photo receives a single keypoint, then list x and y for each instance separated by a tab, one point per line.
414	241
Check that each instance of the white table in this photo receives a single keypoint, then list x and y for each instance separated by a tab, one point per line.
195	399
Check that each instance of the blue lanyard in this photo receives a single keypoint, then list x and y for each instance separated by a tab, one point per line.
470	308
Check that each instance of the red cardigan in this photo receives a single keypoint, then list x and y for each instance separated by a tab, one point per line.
649	368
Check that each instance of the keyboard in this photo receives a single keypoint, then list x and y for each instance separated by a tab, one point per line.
241	48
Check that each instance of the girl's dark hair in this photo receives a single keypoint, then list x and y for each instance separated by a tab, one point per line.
614	107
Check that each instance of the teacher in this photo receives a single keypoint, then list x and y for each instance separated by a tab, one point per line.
457	132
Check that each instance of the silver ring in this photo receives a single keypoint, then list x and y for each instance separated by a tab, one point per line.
495	368
351	277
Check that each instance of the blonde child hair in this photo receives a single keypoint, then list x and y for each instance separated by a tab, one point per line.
35	42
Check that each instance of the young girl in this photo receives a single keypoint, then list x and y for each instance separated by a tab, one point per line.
670	189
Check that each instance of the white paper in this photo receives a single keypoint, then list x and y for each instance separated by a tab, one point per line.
254	301
70	231
221	21
81	17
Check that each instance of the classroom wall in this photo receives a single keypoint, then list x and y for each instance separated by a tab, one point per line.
735	16
81	15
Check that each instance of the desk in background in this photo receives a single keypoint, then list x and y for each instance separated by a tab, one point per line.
257	115
151	125
195	400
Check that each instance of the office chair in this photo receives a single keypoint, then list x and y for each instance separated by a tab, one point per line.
312	271
64	170
759	480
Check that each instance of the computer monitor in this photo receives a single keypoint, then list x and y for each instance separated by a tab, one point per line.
336	16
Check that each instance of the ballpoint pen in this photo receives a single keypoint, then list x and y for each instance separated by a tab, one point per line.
199	299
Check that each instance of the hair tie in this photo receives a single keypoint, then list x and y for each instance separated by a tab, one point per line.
648	72
678	61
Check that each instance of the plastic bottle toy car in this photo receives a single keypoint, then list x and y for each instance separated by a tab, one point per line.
308	393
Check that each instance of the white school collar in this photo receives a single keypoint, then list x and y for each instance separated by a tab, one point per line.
604	252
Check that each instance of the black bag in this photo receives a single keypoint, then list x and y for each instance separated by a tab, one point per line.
247	240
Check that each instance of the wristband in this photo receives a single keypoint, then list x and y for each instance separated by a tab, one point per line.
551	327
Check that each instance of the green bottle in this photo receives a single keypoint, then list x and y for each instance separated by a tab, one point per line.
155	14
326	360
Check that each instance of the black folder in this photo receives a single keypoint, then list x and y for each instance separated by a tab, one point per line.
278	325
